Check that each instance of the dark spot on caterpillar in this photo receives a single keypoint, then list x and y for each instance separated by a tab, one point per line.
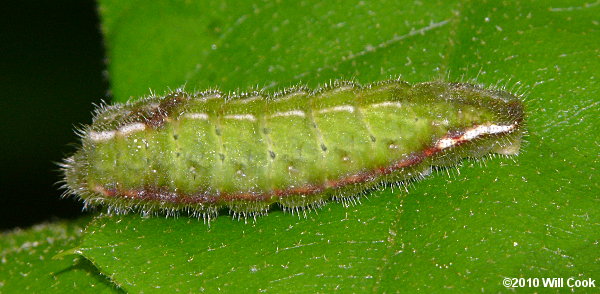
373	139
266	131
272	154
323	147
222	156
218	131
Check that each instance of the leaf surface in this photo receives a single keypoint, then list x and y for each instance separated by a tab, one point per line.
28	263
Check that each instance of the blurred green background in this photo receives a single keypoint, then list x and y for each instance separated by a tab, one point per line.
51	71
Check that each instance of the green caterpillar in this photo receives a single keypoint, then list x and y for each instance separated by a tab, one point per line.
201	152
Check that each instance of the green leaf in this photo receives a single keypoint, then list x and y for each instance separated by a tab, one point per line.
314	253
29	262
534	216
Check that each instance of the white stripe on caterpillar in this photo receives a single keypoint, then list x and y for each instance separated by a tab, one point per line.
249	117
347	108
298	113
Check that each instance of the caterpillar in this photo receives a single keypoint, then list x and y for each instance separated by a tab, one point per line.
201	152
